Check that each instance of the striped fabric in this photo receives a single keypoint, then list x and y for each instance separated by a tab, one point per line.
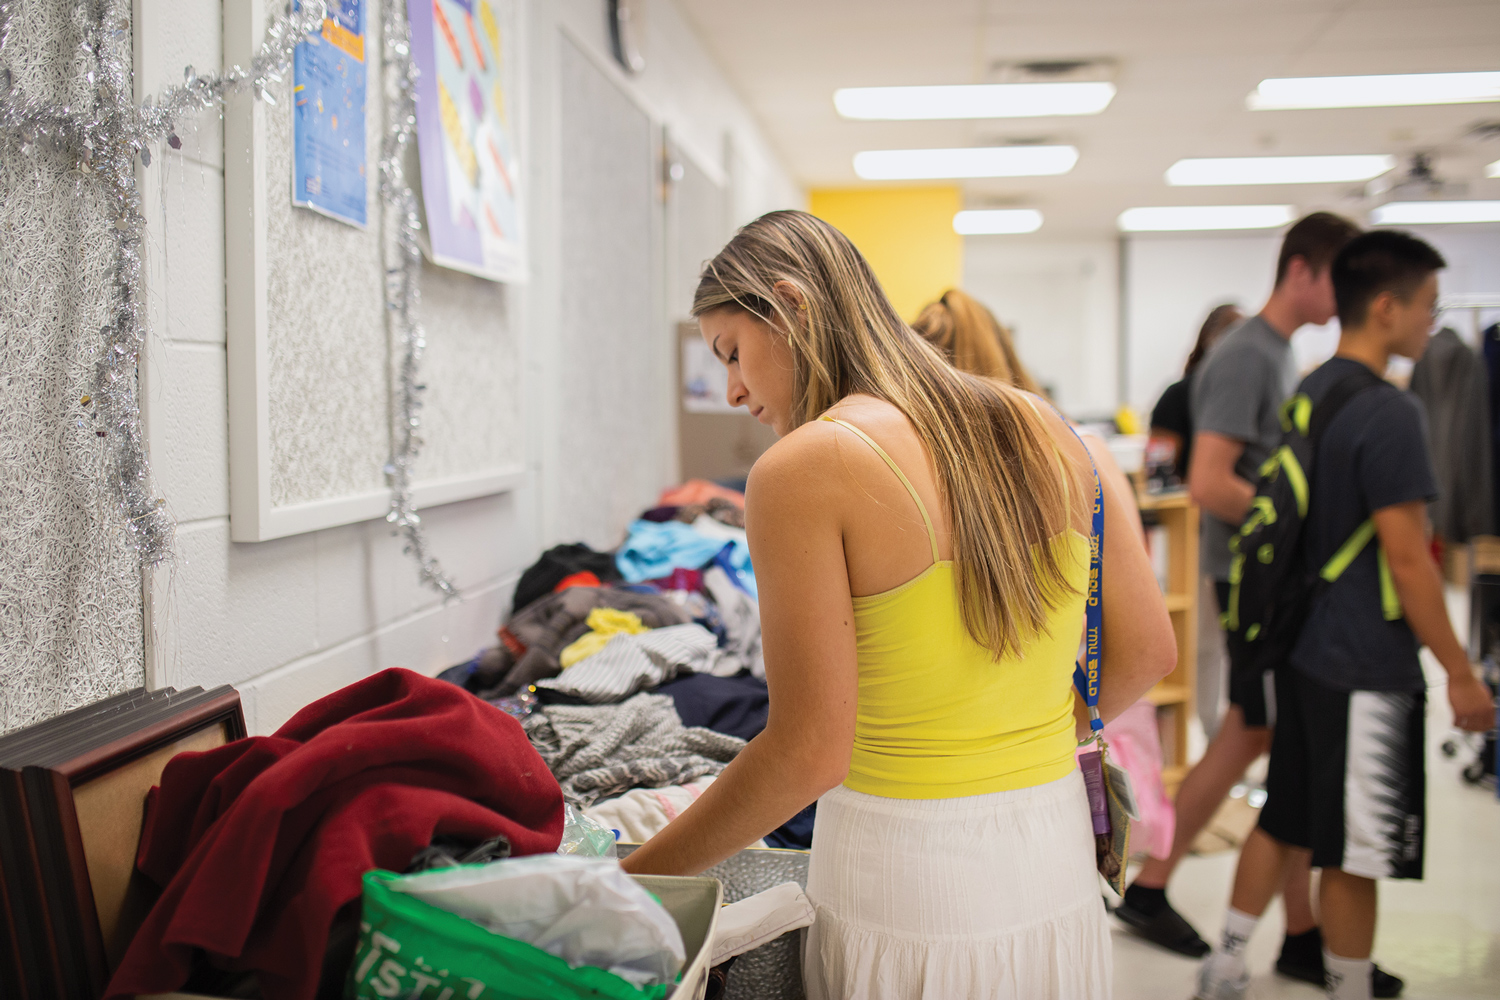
600	751
631	663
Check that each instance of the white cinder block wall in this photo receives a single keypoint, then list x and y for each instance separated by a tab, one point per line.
1171	282
1108	321
289	620
1061	299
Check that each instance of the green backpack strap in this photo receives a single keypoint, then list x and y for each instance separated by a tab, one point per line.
1390	601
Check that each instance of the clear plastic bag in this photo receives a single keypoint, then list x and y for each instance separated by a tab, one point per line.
585	836
586	911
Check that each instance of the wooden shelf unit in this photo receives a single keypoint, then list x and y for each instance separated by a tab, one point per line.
1175	696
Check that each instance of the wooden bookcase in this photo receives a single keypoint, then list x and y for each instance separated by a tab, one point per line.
1176	695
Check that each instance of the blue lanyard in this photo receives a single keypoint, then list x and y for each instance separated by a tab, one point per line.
1086	673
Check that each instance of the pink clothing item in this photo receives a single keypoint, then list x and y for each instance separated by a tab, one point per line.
680	579
1135	745
698	491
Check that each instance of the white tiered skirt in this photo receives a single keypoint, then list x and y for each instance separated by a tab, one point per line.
985	896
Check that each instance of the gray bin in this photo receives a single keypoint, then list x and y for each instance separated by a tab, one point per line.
774	970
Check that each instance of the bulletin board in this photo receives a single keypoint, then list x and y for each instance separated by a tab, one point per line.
311	363
71	606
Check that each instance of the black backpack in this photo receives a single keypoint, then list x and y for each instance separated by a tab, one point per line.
1271	589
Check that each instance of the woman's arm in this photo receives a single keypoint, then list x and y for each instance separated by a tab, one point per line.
1140	647
807	620
1111	472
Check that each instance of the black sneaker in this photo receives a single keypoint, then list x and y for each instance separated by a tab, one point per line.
1302	958
1161	925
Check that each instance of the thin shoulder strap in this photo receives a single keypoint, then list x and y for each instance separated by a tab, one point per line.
927	520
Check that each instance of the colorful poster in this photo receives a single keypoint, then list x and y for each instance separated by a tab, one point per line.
328	120
466	134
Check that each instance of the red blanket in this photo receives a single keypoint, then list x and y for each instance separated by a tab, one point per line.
260	842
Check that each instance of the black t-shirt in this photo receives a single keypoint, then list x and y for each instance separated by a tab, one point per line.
1173	414
1373	455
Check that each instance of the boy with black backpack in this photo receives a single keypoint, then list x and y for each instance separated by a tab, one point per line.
1347	773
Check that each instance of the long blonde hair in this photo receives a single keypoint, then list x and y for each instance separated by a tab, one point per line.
997	472
972	339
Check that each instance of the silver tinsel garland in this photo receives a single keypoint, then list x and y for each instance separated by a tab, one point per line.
403	294
104	140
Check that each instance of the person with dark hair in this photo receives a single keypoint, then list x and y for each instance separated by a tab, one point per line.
1346	781
1236	395
1172	419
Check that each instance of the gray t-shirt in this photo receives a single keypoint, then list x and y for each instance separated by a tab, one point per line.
1237	391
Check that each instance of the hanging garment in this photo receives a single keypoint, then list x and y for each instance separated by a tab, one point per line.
639	662
1490	349
1452	383
260	842
557	564
604	624
598	751
532	641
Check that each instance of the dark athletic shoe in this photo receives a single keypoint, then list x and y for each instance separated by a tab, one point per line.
1383	984
1166	928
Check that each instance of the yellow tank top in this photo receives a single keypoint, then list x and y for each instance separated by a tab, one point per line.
938	716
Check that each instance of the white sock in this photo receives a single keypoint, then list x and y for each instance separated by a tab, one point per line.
1237	930
1347	978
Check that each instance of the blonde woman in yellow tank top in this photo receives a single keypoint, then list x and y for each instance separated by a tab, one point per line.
920	539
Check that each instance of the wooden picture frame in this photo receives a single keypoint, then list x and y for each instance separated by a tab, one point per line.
81	826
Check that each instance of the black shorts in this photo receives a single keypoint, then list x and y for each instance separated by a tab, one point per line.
1347	778
1252	690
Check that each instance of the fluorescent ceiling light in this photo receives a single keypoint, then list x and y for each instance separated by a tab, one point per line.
969	161
990	100
1374	91
1493	169
1182	218
997	221
1417	213
1278	169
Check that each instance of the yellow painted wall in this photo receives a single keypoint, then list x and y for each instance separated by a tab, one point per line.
905	233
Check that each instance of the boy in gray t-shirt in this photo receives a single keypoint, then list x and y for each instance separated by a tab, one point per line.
1237	393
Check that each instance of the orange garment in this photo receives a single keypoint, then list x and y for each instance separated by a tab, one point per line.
698	491
584	579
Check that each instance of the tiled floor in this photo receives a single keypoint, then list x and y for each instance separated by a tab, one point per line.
1441	934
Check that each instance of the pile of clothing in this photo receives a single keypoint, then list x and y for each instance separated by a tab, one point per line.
256	850
639	668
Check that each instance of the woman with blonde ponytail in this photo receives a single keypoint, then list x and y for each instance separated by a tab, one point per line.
920	540
972	339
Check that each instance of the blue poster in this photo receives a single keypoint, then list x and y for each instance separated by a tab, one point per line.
328	120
